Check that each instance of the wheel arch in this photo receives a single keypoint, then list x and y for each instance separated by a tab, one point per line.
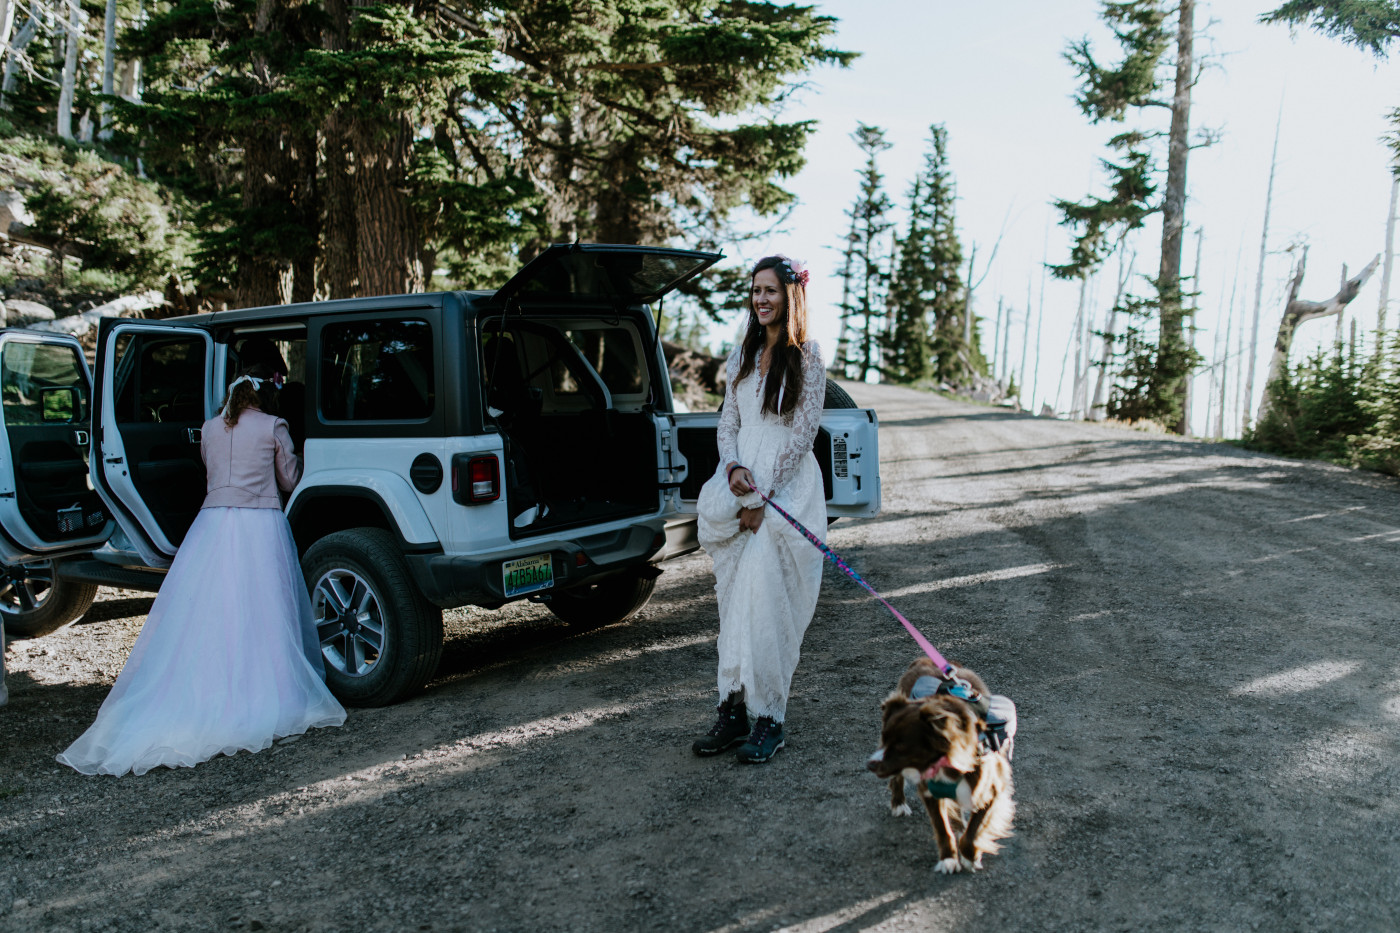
325	510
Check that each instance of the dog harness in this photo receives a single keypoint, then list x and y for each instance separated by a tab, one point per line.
998	712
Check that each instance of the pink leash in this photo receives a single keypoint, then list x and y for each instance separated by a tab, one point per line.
948	670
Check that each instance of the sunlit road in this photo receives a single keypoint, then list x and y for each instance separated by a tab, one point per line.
1202	644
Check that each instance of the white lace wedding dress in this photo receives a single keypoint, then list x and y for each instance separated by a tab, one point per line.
767	583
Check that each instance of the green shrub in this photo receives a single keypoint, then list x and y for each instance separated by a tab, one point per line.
127	230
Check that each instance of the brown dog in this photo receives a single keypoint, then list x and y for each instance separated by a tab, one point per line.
936	742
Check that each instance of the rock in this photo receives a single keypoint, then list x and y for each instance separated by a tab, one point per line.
127	305
80	324
21	313
13	211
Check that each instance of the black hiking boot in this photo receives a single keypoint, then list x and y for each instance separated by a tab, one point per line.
731	728
763	742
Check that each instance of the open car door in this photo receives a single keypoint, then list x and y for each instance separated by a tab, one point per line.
153	394
47	505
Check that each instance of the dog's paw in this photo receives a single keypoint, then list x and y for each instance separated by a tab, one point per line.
948	866
900	810
970	866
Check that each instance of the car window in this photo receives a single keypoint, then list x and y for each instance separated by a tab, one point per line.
31	368
160	379
376	371
612	352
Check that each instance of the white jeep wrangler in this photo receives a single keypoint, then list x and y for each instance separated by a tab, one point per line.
460	448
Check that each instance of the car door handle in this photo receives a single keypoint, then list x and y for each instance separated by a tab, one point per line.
81	437
195	434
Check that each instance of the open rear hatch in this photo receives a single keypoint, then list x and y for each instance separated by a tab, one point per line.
572	379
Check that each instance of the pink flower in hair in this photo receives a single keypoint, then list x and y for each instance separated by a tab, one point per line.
797	269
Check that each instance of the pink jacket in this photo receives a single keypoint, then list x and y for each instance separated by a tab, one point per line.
247	463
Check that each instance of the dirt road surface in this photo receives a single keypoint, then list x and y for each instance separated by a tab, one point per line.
1202	644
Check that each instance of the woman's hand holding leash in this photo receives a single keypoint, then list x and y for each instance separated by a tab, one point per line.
741	483
740	480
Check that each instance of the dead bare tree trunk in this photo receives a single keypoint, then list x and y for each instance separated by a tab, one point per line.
994	357
1070	345
7	22
1296	311
1259	277
109	68
15	50
1389	263
1025	346
843	342
70	69
1195	310
1171	336
1125	272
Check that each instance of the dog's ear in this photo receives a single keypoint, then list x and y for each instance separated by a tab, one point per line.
955	725
935	715
894	701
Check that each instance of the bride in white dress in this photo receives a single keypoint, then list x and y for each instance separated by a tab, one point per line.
228	657
767	575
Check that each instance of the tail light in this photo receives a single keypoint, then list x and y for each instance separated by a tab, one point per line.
476	478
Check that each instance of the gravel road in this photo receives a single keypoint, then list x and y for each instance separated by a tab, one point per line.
1202	644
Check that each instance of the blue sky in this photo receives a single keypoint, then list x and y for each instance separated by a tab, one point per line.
995	76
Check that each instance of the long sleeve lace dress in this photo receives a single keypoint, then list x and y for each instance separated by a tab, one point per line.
768	582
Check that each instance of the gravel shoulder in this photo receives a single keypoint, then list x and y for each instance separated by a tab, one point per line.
1202	644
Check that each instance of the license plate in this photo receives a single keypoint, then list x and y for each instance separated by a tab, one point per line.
527	574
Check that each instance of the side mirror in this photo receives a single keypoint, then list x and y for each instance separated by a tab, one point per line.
62	404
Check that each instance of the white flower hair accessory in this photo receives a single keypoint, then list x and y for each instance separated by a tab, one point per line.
253	381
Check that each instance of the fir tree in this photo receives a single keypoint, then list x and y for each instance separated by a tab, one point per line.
926	294
1143	29
615	109
862	314
1377	445
301	124
1371	25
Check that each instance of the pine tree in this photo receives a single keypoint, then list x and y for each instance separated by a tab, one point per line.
1370	25
616	109
1377	446
1143	29
926	294
300	126
862	314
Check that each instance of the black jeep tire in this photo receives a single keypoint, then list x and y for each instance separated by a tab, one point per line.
612	599
33	602
380	638
837	397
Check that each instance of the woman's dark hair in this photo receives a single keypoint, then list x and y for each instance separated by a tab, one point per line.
243	396
787	354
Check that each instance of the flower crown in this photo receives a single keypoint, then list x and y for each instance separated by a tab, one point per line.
793	270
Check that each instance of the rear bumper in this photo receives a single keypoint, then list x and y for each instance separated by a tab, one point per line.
460	580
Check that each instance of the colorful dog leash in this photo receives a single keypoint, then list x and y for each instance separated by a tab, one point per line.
960	688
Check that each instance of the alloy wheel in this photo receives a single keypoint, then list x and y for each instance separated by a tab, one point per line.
349	622
25	587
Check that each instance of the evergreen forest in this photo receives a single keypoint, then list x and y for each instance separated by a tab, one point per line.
210	154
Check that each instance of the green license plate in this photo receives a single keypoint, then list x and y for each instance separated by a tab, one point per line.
527	574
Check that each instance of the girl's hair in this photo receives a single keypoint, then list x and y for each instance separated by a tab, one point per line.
787	354
243	396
